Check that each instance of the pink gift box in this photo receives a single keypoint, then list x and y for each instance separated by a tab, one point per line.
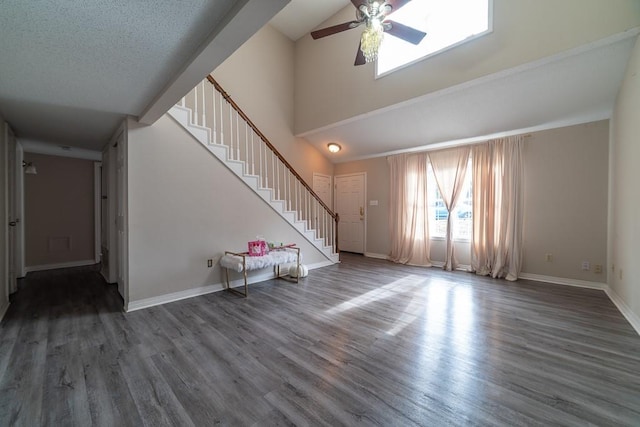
257	248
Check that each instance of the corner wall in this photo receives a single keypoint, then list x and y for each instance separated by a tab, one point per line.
330	89
59	212
185	207
624	228
565	203
259	77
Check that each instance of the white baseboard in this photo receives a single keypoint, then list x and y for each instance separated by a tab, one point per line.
624	308
60	265
563	281
194	292
320	264
376	256
3	310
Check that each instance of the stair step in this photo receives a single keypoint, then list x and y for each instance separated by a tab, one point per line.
183	116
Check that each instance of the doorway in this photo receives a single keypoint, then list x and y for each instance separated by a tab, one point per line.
350	191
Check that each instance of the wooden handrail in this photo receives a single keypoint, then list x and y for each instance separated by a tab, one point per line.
272	148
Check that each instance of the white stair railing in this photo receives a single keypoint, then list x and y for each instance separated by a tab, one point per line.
212	108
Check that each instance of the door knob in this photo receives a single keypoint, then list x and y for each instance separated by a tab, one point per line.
13	223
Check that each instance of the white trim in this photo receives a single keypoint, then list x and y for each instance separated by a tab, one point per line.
563	281
466	40
207	289
97	211
3	310
70	264
194	292
321	264
376	256
631	317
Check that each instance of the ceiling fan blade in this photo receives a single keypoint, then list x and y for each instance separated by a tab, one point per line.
396	4
360	56
333	30
404	32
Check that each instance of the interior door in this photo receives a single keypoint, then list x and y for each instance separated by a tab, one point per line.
322	187
121	265
14	220
350	198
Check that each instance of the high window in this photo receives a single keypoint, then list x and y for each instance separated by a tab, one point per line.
448	23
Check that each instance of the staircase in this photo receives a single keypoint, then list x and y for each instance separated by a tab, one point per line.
215	120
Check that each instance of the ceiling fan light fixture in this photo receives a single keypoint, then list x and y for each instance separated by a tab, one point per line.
334	147
372	39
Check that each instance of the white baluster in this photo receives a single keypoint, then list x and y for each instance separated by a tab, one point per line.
221	120
195	106
204	116
237	136
253	157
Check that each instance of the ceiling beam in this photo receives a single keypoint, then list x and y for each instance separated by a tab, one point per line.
242	22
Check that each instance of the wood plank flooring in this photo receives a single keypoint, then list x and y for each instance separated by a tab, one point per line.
364	342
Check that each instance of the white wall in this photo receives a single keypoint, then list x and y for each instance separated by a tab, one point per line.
330	89
186	207
259	77
565	203
624	231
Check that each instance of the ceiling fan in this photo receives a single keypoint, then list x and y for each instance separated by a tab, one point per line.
373	14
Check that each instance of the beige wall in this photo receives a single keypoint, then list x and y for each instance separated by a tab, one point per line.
565	202
186	207
625	198
329	88
59	211
259	77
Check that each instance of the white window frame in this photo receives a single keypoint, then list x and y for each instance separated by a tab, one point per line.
444	49
432	189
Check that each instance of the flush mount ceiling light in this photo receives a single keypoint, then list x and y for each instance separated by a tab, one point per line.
333	147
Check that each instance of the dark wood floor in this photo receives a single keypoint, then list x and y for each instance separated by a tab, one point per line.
365	342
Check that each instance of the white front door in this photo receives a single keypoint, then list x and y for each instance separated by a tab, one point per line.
350	205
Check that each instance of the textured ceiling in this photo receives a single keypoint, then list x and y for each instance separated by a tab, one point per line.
71	70
574	87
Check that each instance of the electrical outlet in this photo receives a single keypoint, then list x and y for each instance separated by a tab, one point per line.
597	269
209	263
585	265
548	257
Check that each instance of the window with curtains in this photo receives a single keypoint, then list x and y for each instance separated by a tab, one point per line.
462	215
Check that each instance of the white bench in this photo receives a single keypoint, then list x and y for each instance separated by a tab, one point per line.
243	262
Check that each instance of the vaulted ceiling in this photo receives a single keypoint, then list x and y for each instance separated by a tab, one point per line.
68	75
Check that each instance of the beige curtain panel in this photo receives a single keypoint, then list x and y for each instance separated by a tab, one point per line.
449	167
408	226
496	246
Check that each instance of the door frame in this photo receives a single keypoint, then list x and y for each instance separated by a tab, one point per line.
97	211
366	211
313	181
